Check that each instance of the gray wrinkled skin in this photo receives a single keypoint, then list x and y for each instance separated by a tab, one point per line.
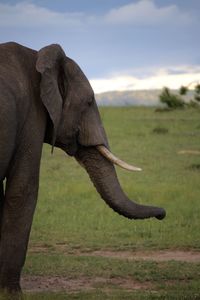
45	97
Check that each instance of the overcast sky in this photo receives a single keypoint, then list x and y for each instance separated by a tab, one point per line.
119	44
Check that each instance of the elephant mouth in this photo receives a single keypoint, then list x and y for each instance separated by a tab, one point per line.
115	160
72	147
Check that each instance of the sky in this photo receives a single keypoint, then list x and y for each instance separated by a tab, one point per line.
119	44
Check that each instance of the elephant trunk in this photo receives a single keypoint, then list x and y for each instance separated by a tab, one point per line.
104	178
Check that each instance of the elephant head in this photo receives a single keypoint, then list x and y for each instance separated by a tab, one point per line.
77	129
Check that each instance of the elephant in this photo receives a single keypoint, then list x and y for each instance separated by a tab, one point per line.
46	98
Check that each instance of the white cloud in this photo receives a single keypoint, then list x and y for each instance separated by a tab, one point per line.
172	78
24	14
145	12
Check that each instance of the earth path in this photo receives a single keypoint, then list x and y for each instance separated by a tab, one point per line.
153	255
34	284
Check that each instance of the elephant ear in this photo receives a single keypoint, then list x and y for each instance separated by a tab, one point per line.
49	64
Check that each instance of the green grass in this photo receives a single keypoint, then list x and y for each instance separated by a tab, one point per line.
117	295
142	271
165	278
71	213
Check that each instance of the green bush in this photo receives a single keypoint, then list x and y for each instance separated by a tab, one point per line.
183	90
197	89
197	93
170	99
160	130
196	100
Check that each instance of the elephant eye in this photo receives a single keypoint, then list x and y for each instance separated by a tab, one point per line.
90	100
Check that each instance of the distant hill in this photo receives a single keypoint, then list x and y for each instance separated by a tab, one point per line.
132	98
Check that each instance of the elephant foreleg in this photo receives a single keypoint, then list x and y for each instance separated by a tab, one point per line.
18	210
16	225
1	203
19	205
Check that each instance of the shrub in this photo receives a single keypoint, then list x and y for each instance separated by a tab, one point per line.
183	90
195	167
197	93
170	99
197	89
160	130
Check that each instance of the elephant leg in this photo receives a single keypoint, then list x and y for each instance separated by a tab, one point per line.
1	203
1	197
19	205
1	191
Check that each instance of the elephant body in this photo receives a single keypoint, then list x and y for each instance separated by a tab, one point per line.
45	97
21	138
18	97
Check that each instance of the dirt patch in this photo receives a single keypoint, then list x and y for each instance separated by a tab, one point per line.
60	283
192	152
57	283
157	255
164	255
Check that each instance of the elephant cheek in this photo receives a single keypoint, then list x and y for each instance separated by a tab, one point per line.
92	137
91	131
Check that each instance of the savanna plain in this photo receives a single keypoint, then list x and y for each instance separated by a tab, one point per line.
80	249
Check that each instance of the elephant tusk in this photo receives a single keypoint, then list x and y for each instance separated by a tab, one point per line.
115	160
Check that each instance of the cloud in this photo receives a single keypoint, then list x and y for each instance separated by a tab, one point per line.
24	14
100	48
145	12
162	77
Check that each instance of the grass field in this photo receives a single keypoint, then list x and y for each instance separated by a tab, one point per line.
72	222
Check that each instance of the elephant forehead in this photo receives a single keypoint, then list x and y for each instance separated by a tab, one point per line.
75	74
